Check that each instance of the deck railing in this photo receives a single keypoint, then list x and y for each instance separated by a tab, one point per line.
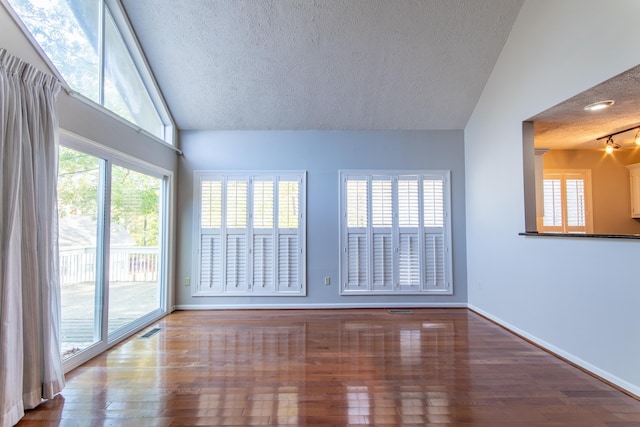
126	264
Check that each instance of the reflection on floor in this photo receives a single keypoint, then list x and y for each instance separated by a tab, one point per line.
446	367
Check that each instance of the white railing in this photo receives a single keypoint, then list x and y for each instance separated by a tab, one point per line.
126	264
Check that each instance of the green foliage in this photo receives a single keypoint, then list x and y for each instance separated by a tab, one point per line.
135	197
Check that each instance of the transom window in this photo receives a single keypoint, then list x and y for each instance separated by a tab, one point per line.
91	46
395	232
250	233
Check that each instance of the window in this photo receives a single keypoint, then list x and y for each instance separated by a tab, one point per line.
395	233
250	233
112	246
86	40
566	201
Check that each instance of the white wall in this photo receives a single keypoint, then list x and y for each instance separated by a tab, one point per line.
322	154
578	297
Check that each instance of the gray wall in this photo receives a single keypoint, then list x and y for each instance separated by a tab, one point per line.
578	297
322	154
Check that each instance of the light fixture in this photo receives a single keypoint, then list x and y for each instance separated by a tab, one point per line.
600	105
610	145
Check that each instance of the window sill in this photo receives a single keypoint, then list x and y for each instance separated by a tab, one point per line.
582	235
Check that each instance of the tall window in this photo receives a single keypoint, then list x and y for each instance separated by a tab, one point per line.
250	233
567	201
395	233
112	247
86	45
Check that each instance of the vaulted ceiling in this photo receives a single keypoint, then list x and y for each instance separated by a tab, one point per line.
321	64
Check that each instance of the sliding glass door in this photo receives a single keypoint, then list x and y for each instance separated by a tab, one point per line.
79	202
134	250
112	234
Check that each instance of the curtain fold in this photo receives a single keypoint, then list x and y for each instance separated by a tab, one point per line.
30	362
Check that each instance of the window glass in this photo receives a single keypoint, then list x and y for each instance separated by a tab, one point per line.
134	254
124	92
263	204
67	31
288	202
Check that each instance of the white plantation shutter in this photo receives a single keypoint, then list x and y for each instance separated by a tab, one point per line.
566	201
408	202
288	203
211	262
211	204
433	200
381	203
395	233
357	263
288	277
575	203
236	263
263	204
434	252
409	261
357	203
241	250
552	200
262	262
236	204
383	261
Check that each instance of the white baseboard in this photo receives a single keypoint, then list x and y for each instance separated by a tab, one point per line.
631	388
316	306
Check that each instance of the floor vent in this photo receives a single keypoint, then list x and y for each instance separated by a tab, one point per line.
151	333
400	311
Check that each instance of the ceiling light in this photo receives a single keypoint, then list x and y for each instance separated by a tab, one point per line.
610	146
601	105
637	137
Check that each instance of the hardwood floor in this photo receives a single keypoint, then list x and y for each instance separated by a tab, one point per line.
332	368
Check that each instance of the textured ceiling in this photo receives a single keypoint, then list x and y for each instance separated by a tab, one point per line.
568	126
321	64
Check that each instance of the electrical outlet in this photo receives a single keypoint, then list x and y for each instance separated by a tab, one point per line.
327	280
187	281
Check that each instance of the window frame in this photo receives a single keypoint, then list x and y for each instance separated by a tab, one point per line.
280	237
563	175
109	157
399	242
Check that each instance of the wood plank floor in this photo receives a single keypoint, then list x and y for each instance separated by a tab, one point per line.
332	368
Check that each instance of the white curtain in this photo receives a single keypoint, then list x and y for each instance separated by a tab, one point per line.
30	362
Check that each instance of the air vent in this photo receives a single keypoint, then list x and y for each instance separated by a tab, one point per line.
151	333
400	311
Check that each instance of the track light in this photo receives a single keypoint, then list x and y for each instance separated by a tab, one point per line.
610	146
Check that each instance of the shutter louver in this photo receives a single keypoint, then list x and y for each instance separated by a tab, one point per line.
434	261
409	261
381	203
552	199
575	203
288	262
357	261
236	204
211	204
236	262
357	198
382	261
288	204
408	203
210	256
263	204
262	262
433	201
